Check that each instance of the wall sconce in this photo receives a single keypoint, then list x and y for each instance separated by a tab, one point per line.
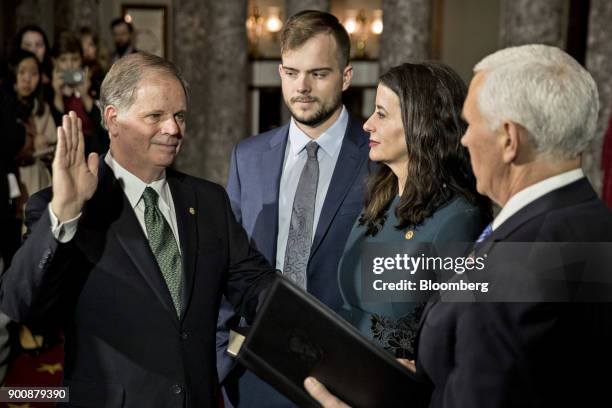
254	26
350	23
377	22
259	26
360	27
274	22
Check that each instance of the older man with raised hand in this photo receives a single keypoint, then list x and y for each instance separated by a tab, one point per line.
531	112
131	258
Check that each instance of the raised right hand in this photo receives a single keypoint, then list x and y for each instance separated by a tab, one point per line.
74	179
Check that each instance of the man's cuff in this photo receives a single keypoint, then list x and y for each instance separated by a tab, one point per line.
63	231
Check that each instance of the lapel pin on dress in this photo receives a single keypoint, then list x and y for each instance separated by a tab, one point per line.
191	210
409	234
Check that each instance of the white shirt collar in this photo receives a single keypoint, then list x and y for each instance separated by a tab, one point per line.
329	141
533	192
133	187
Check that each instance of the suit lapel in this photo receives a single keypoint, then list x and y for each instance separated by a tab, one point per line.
131	237
185	208
571	194
271	168
435	298
576	192
127	230
342	180
428	306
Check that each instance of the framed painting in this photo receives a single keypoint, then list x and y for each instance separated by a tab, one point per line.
150	26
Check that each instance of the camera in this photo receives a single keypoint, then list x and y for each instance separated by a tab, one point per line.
73	77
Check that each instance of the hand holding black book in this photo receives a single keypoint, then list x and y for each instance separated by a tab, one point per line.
295	336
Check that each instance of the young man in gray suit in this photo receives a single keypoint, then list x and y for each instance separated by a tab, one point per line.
298	189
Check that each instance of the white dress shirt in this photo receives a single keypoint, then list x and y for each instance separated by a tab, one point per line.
533	192
133	187
330	143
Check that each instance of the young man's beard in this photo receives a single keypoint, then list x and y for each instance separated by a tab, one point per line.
321	115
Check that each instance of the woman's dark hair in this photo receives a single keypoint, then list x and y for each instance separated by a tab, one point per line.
67	42
86	31
28	104
431	97
46	64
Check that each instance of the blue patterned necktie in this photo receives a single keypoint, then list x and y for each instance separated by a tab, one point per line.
485	233
164	246
299	239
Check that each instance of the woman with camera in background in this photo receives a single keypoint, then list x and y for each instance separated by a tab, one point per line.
71	85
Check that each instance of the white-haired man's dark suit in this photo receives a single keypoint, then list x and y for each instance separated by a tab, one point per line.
525	354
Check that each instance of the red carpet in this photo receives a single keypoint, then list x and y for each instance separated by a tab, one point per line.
35	369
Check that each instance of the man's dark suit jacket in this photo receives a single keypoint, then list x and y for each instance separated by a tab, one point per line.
525	354
253	188
125	345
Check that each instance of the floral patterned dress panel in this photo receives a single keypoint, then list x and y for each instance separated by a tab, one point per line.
397	335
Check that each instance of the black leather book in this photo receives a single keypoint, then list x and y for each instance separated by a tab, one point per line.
295	336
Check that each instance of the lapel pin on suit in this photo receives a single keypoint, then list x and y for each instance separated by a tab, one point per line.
191	210
409	234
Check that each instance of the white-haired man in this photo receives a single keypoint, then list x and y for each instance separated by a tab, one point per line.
531	112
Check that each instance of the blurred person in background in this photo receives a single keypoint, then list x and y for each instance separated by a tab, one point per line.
71	91
25	83
90	44
123	37
32	38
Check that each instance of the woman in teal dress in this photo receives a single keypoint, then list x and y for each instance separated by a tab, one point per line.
422	191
